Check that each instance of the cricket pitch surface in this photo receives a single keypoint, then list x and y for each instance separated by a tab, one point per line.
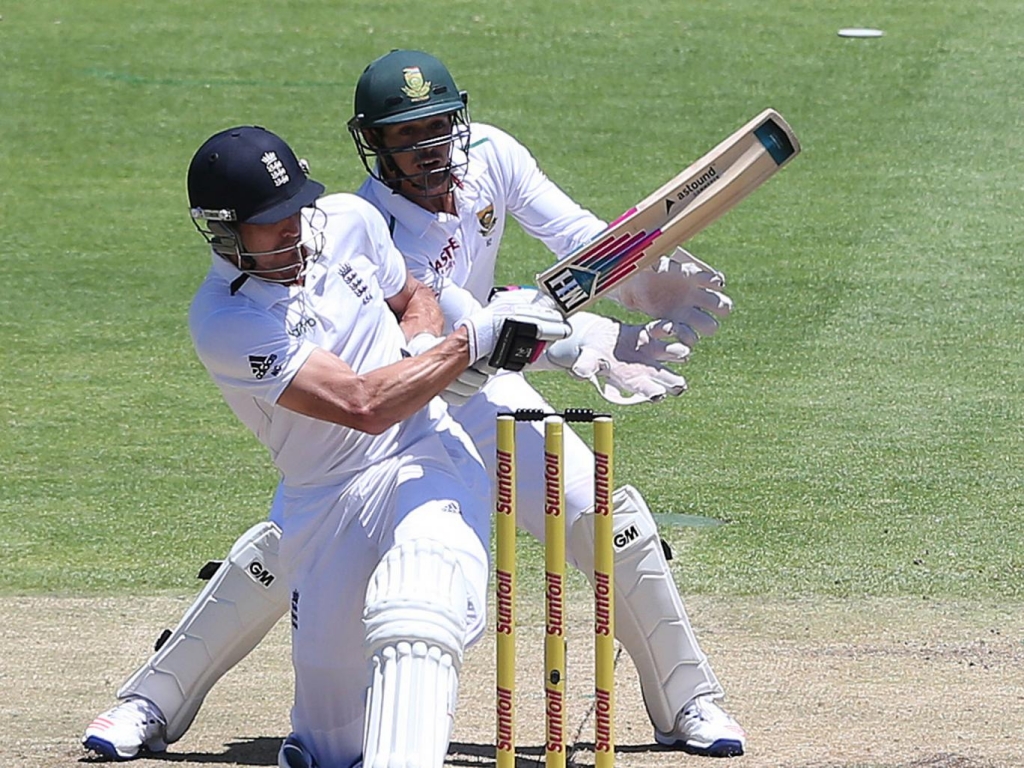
816	683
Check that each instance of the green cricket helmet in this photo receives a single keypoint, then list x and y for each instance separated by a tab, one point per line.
400	87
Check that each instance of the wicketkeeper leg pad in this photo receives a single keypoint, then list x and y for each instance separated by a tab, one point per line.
650	620
415	619
233	613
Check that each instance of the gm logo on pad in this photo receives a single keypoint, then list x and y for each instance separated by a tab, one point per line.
258	573
624	538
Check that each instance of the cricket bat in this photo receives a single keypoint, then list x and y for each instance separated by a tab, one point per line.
672	214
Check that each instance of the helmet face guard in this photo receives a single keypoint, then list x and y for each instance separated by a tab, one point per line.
401	87
220	230
379	160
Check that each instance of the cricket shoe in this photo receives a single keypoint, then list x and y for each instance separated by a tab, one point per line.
133	726
293	755
704	728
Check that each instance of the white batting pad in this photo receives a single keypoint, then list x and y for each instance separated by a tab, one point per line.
233	613
650	620
415	619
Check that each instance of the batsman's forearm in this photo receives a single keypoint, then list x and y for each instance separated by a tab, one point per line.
326	388
399	390
422	314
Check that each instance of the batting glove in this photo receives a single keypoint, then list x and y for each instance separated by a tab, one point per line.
512	330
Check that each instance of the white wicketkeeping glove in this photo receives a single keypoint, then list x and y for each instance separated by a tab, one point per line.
512	329
682	293
617	358
465	386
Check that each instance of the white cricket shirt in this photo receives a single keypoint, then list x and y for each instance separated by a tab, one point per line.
502	179
253	336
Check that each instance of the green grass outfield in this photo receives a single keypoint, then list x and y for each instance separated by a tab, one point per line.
857	421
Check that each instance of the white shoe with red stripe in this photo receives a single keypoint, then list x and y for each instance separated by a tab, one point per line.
133	726
704	728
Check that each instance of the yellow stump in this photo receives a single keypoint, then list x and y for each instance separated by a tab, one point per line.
505	584
604	596
554	579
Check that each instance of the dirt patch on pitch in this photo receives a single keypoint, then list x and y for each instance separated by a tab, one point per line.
823	684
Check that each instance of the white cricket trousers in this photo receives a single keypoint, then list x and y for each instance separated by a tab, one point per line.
332	540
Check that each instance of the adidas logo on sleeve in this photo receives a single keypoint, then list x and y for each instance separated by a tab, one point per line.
261	365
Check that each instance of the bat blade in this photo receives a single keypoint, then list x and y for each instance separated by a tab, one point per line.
673	213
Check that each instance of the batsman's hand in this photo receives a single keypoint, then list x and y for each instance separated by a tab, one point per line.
626	363
683	295
465	386
512	330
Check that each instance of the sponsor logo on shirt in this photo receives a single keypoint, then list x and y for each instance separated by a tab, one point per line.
262	365
355	282
304	326
444	263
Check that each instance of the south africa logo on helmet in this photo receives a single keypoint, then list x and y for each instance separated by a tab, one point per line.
416	87
405	85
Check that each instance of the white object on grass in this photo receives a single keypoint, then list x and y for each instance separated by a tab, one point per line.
860	32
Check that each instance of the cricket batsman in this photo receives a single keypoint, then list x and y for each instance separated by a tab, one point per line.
445	187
